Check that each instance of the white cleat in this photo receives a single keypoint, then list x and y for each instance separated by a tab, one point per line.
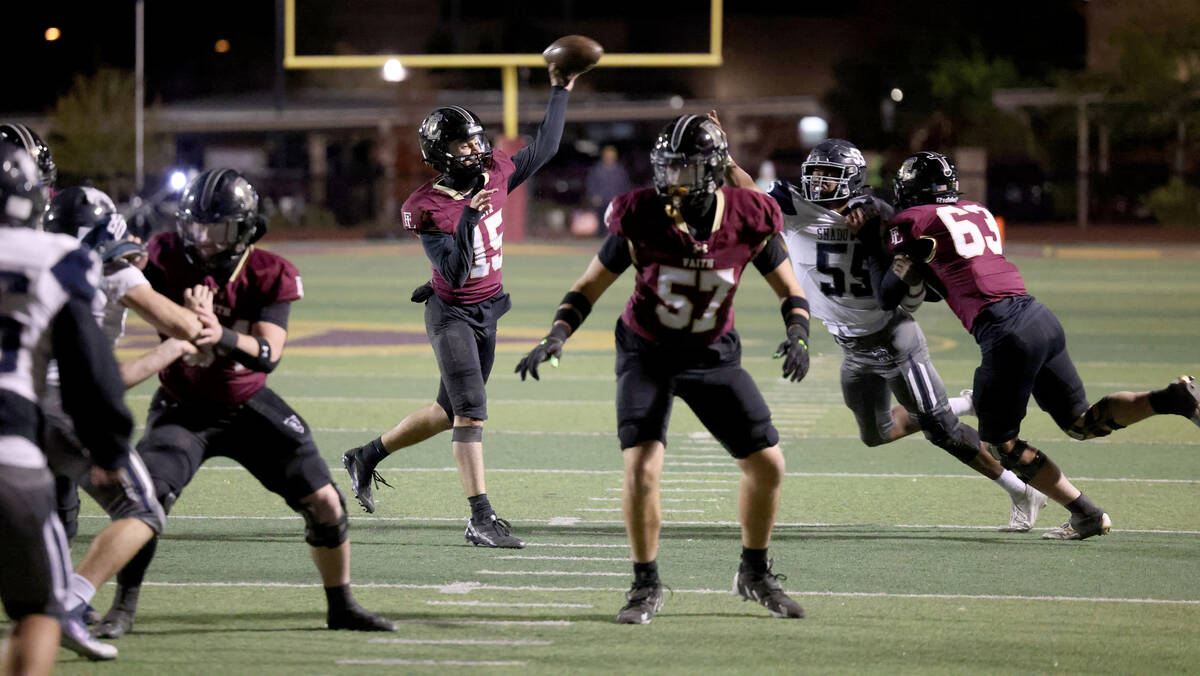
969	396
1080	528
1025	510
77	639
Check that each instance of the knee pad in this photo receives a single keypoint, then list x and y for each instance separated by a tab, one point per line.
1011	460
328	535
959	440
1097	421
467	434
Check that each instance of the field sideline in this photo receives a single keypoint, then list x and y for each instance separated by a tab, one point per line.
892	551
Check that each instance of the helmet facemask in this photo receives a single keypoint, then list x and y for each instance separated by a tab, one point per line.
828	181
218	246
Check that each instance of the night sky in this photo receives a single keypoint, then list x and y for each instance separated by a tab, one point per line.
181	63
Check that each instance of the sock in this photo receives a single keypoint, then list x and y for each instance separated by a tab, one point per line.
1082	506
79	592
645	572
753	561
126	598
481	509
1173	398
1010	483
134	572
338	598
959	406
373	452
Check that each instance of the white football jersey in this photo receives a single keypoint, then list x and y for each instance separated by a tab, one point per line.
112	289
38	271
830	264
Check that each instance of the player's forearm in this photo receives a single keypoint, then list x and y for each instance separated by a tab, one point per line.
739	177
545	144
259	351
452	256
142	367
166	316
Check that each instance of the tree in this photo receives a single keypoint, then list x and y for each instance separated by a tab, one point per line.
93	134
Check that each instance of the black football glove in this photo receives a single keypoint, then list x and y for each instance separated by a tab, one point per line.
794	351
422	293
550	349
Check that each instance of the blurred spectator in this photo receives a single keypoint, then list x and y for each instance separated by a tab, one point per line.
605	180
766	175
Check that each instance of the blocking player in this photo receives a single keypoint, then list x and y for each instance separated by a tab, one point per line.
46	287
90	216
954	246
225	407
459	218
690	239
884	351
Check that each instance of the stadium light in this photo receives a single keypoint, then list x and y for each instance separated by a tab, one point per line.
813	130
897	95
52	34
394	71
177	181
676	102
222	46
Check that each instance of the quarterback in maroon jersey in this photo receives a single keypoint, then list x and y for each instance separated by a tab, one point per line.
459	217
222	405
954	246
689	240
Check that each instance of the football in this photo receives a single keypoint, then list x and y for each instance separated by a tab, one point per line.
573	54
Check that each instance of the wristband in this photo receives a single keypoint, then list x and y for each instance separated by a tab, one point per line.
227	343
792	303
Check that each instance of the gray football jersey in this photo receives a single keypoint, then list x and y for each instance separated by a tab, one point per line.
38	271
830	264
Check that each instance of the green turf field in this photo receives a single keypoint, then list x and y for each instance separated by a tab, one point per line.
892	551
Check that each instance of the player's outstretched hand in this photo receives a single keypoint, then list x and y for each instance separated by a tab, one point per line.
903	267
794	352
560	79
550	349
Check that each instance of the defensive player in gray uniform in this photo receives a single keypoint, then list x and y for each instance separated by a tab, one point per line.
884	351
46	286
90	216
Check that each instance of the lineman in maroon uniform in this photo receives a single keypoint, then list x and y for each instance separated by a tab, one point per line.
223	406
954	245
676	337
459	218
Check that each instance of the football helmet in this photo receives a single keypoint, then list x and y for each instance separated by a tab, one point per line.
90	216
689	158
926	178
24	137
843	172
443	133
22	196
219	219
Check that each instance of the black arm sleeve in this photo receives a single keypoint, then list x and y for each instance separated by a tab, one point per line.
453	255
535	155
614	254
889	289
276	314
92	391
771	256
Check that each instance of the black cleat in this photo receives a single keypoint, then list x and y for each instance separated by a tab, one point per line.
361	478
1080	527
494	532
642	600
357	618
767	592
116	623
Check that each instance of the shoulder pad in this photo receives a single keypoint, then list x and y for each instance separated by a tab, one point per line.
783	193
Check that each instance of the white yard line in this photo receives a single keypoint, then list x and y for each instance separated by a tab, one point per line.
433	663
586	522
524	557
571	573
458	641
486	604
479	586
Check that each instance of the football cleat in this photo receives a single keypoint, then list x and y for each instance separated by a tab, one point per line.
766	591
361	478
357	618
1080	527
969	395
1025	510
642	600
494	532
1191	394
116	623
75	637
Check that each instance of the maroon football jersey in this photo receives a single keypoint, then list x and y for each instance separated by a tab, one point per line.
436	207
961	244
265	279
684	289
